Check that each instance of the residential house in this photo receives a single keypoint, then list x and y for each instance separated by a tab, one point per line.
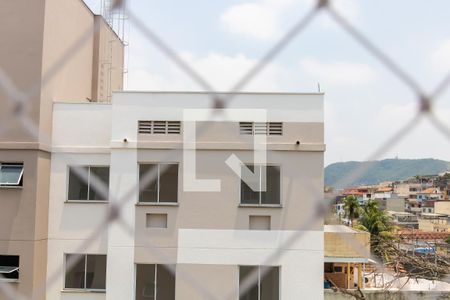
431	193
434	222
347	251
362	194
442	207
428	207
394	203
384	192
404	219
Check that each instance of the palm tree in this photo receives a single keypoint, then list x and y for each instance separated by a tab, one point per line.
352	208
378	224
374	220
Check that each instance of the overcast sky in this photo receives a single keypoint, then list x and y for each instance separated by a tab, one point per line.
364	102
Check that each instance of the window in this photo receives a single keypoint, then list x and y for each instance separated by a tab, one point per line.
156	220
337	269
159	127
155	282
88	272
265	128
82	184
265	282
11	174
271	195
9	267
259	222
164	187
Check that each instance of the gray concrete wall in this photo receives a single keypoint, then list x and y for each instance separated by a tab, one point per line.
384	295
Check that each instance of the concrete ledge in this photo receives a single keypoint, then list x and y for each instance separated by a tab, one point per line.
25	146
389	295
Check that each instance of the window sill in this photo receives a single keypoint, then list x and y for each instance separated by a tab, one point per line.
260	205
82	291
157	204
14	187
6	280
87	201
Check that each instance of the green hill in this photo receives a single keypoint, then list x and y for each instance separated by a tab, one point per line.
383	170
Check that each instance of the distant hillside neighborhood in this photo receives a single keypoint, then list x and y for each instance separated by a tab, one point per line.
400	220
383	170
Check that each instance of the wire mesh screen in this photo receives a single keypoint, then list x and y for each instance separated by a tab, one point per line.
20	101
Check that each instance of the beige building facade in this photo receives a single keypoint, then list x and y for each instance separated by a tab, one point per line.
197	223
51	50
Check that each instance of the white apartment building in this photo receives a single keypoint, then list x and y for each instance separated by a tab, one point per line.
196	230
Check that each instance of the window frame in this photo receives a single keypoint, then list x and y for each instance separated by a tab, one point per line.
88	183
85	272
155	275
277	205
259	278
19	183
158	202
3	279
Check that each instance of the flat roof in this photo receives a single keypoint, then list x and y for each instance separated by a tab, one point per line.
400	213
337	259
339	229
434	215
217	92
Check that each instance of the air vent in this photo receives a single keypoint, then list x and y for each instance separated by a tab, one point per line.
258	128
145	127
246	128
173	127
159	127
275	128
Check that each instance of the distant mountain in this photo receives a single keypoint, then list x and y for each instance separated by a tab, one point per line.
383	170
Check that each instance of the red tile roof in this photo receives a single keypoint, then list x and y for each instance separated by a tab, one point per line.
423	235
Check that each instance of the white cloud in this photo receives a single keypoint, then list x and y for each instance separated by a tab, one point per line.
220	70
440	57
338	73
269	19
393	116
251	19
263	19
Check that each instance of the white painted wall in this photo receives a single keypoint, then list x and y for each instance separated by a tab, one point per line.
299	255
81	135
83	126
57	248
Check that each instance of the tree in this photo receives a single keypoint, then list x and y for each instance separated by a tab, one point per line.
374	220
378	224
447	240
352	208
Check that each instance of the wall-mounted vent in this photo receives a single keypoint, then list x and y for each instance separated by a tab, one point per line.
159	127
265	128
246	128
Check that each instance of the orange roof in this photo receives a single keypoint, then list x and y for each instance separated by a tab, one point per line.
430	190
353	192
